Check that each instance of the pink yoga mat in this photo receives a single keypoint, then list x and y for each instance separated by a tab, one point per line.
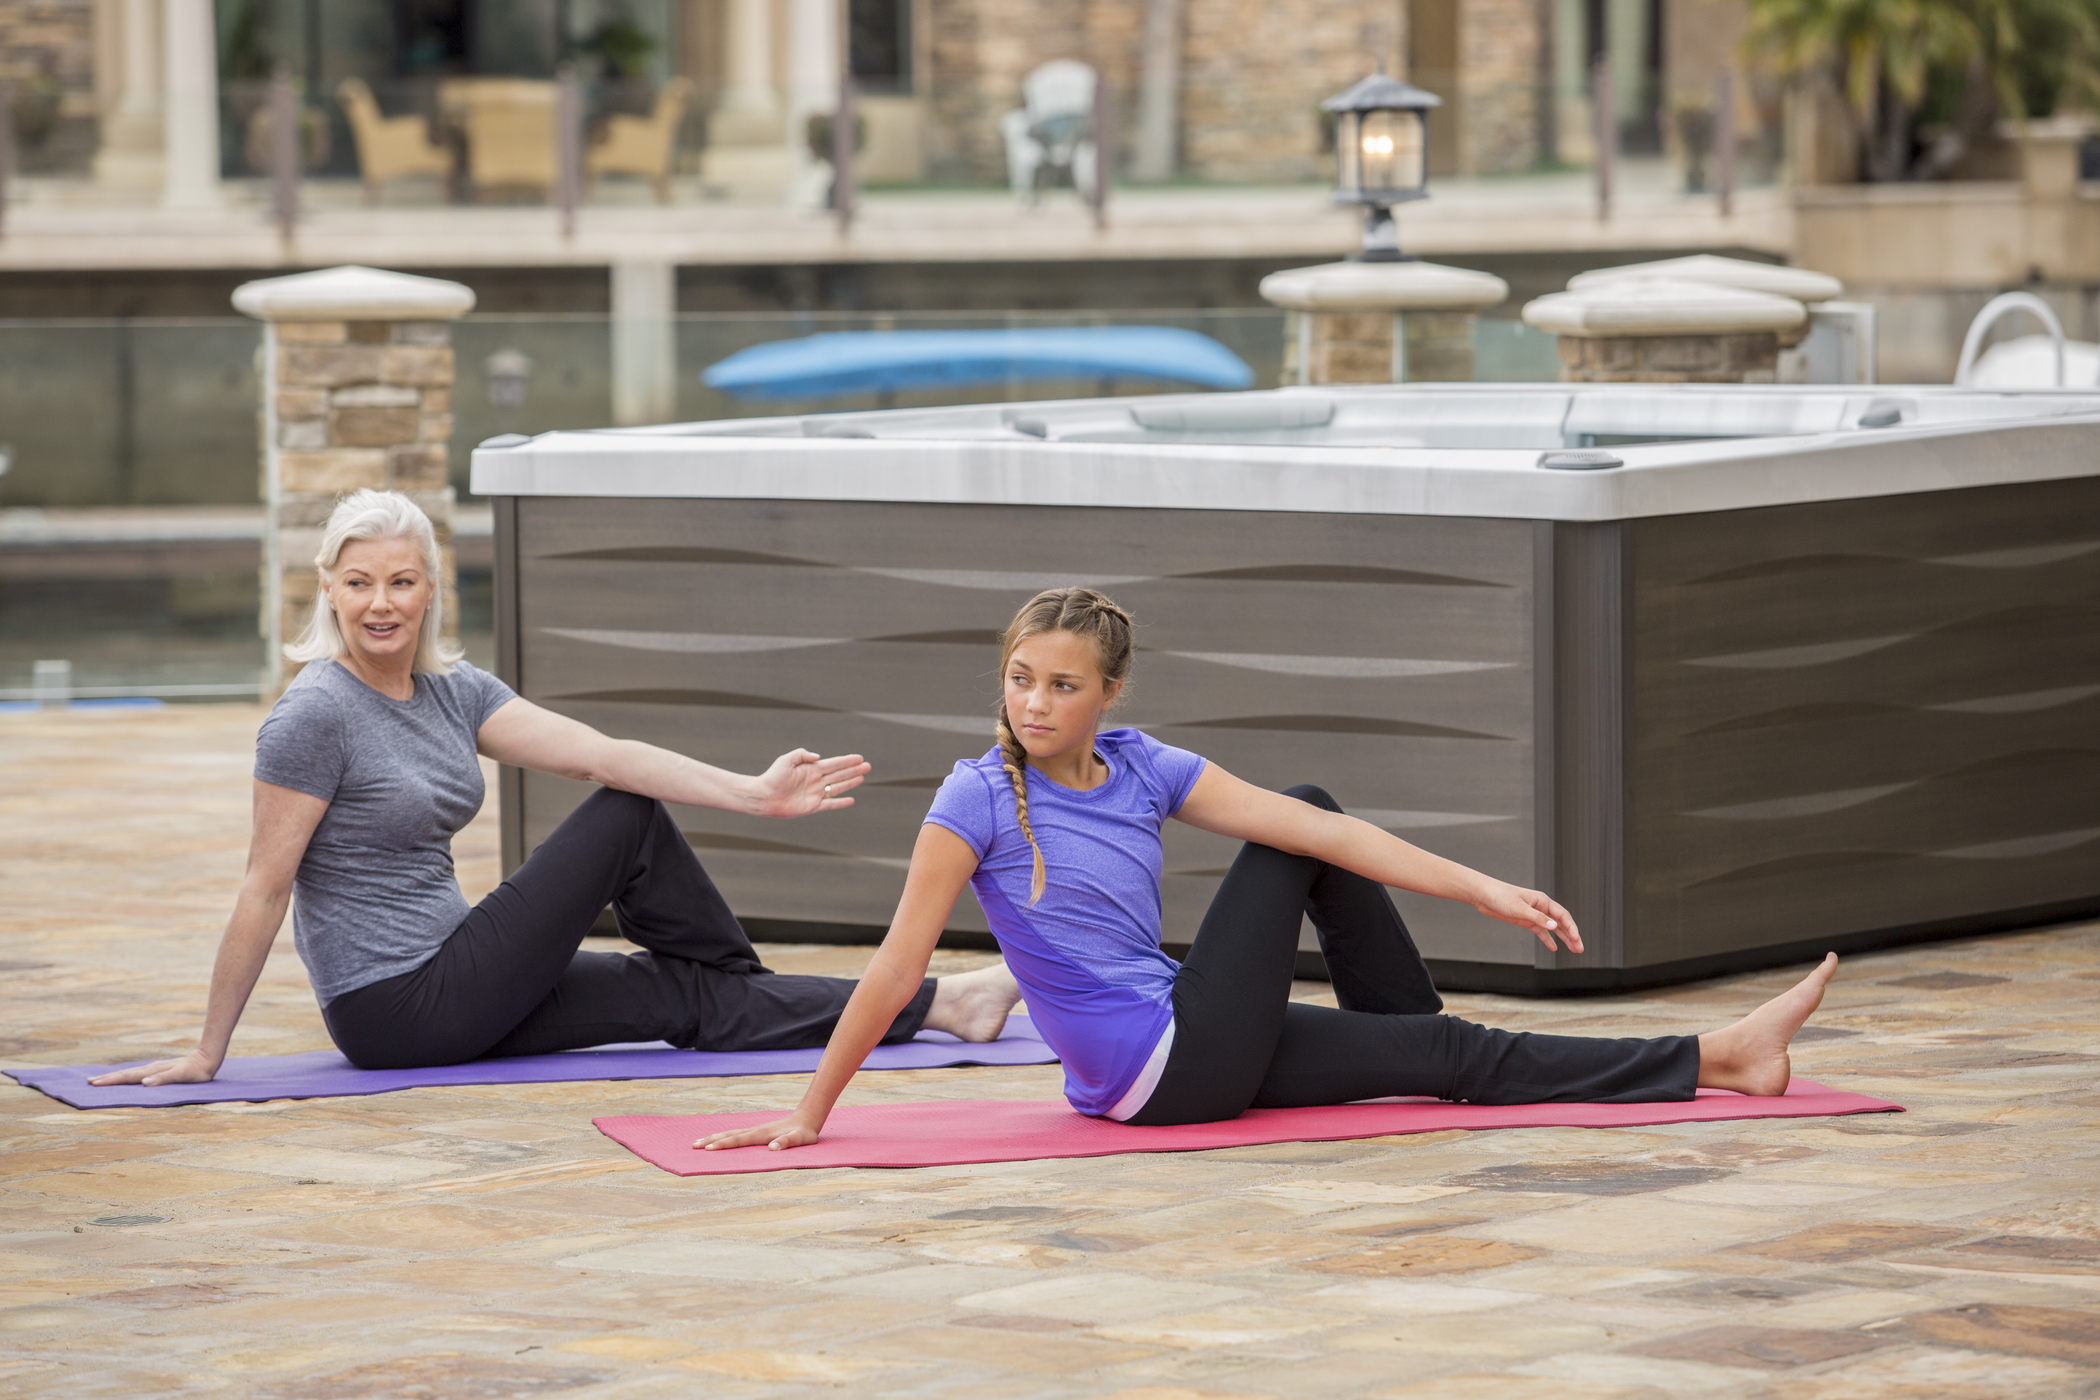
944	1134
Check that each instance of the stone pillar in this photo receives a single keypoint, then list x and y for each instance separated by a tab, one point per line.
1380	323
815	59
1159	93
190	46
1775	278
131	153
747	89
747	153
1812	289
1662	331
357	392
644	342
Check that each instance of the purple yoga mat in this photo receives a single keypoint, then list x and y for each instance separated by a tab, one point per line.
325	1074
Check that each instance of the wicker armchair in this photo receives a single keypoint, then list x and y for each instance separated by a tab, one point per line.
510	133
643	146
389	147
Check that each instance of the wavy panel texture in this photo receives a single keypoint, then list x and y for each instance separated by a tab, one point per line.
1861	715
1386	659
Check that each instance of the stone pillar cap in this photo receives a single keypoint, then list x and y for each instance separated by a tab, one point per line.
1661	306
1796	282
1389	286
353	294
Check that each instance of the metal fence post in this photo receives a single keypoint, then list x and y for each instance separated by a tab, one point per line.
284	155
1104	153
1604	121
1724	139
845	177
568	147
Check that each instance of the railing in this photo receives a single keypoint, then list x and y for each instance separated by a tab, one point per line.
508	141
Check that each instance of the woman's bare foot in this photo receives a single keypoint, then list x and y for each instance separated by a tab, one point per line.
1750	1056
973	1005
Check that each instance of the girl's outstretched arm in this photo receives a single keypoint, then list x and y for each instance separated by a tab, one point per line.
1222	803
941	863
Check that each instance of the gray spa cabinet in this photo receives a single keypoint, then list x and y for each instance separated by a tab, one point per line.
1739	673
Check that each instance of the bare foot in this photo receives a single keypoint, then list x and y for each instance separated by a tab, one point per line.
1750	1056
973	1005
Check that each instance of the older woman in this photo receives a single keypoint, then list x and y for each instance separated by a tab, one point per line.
366	767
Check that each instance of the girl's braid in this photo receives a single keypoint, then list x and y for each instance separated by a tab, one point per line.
1016	765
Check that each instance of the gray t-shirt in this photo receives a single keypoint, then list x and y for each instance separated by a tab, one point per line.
375	895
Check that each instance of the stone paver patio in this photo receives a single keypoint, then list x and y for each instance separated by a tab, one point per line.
488	1242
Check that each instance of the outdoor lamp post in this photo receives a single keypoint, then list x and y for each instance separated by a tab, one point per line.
1381	156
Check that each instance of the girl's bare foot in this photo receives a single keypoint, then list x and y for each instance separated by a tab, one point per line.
1750	1056
973	1005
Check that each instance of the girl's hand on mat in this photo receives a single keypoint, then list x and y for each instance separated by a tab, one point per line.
193	1068
800	783
777	1136
1529	909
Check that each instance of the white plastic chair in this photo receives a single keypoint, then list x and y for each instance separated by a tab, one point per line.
1053	129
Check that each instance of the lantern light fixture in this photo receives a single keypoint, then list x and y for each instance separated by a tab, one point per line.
1381	155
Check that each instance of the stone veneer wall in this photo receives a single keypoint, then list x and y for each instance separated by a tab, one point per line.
1500	46
355	404
1356	347
1751	358
1253	75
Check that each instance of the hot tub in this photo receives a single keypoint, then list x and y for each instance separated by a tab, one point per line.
1738	673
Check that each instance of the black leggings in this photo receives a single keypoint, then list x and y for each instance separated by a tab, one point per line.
1240	1042
510	981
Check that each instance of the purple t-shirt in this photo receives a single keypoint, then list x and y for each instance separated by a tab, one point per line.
1087	954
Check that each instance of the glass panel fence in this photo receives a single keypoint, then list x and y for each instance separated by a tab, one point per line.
129	523
129	517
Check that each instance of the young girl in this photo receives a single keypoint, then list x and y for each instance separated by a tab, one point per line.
1057	832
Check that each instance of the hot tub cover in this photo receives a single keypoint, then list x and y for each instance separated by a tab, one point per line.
840	363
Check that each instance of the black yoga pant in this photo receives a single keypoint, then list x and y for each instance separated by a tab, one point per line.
1240	1042
510	981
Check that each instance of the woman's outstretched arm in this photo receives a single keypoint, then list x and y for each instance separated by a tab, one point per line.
940	865
524	735
284	822
1222	803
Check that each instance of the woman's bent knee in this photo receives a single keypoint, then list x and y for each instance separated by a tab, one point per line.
1313	793
613	801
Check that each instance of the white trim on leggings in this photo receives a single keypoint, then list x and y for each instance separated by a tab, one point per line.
1140	1091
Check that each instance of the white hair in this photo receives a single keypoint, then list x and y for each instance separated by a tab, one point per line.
377	515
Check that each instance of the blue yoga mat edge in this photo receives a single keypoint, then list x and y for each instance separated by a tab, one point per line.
326	1074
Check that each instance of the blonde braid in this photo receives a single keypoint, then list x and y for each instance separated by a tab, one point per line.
1016	766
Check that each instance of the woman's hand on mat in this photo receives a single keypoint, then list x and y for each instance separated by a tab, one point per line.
799	783
1528	909
193	1068
785	1133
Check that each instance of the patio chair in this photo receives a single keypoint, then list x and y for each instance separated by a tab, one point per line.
390	147
510	133
643	146
1053	128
